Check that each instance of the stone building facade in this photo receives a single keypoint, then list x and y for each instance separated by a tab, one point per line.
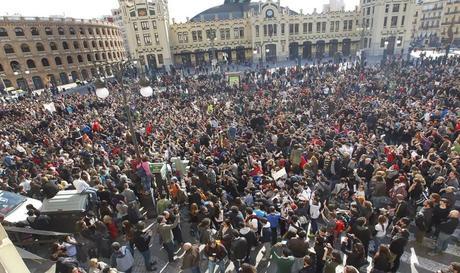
38	52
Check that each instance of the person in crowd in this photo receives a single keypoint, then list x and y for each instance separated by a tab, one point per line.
166	235
326	149
191	259
216	255
446	229
141	240
285	261
122	258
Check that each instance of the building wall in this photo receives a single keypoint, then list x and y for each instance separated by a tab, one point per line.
451	19
147	29
251	38
386	21
72	49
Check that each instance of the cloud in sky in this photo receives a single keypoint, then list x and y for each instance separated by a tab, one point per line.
178	9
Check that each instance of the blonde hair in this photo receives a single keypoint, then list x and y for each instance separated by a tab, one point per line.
93	262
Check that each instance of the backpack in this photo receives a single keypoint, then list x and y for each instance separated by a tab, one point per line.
126	261
420	221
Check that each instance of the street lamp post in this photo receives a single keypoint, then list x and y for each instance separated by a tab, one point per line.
147	199
362	45
211	38
102	92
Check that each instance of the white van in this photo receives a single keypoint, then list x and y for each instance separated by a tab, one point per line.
13	206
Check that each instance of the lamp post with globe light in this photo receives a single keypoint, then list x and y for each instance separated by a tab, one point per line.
120	70
145	90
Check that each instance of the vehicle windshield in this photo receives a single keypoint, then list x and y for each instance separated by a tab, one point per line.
9	201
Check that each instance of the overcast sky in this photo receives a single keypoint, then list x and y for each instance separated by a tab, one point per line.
178	9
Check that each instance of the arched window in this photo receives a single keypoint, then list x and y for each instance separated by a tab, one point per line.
1	68
48	31
103	56
106	44
76	45
98	31
72	31
19	31
58	61
65	45
90	31
69	60
103	31
31	64
97	56
34	31
109	55
93	43
40	47
80	58
111	43
3	32
101	44
61	31
85	44
8	49
25	48
82	31
45	62
15	66
88	57
53	46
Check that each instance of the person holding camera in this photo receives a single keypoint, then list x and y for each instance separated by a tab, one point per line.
216	253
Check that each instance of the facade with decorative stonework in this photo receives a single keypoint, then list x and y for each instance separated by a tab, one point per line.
241	31
37	52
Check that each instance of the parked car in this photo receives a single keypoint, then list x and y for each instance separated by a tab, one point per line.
13	206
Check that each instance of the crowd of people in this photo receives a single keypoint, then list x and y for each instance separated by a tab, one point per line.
317	167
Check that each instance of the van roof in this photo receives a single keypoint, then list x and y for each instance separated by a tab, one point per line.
69	200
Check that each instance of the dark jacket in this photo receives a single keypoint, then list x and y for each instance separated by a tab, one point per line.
218	252
239	248
398	243
382	263
141	240
449	226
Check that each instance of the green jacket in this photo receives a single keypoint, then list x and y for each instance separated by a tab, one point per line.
283	264
165	230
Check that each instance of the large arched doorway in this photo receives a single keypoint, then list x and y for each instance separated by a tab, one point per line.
22	84
64	78
38	83
293	51
51	80
186	58
270	53
84	74
333	47
199	57
391	45
227	55
320	48
346	47
152	61
240	54
74	75
306	52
